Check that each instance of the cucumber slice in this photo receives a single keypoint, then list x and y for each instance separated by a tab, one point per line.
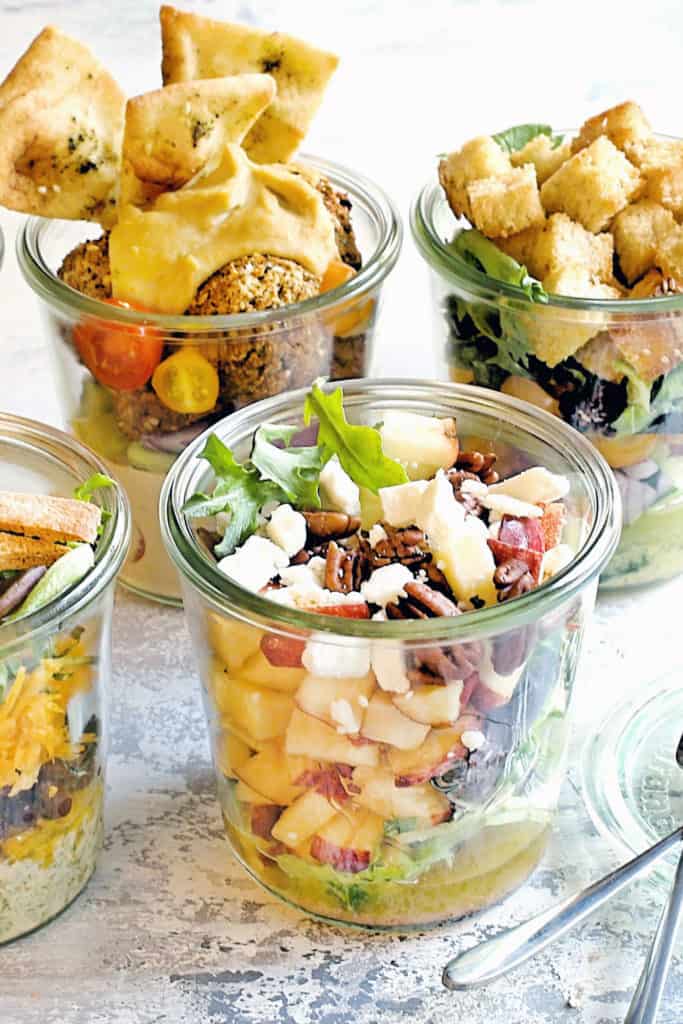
140	457
61	576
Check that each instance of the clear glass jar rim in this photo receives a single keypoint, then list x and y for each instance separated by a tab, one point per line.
50	288
112	546
441	258
597	549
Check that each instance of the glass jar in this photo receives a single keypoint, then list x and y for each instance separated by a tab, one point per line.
54	671
254	354
395	834
486	332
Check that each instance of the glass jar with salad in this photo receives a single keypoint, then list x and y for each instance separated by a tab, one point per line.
387	586
557	278
64	532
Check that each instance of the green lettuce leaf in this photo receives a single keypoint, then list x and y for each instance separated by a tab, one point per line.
517	137
295	470
480	252
239	491
352	891
359	449
92	484
642	411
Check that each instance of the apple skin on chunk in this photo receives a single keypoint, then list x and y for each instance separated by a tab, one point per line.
349	841
303	819
282	651
310	737
380	794
436	755
431	705
322	696
263	817
384	723
232	640
522	539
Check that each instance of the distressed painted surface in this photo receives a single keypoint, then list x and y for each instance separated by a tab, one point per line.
170	929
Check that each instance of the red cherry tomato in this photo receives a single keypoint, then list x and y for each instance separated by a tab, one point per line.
120	356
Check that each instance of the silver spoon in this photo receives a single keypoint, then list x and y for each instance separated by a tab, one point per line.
494	957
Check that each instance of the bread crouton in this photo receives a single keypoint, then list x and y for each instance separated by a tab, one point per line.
656	153
506	204
479	158
665	186
592	186
600	356
521	246
669	254
625	125
654	285
654	345
557	335
561	242
637	231
545	157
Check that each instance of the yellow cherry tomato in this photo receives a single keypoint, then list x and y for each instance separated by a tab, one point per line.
352	317
531	392
621	452
186	382
459	375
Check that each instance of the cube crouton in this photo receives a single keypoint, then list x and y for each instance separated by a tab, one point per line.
557	334
665	186
654	154
479	158
625	125
563	243
521	246
540	152
507	203
652	345
592	186
637	231
669	254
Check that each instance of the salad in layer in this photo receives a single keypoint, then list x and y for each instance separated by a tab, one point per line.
350	767
597	217
50	782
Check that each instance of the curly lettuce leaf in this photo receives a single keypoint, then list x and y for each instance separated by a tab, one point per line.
94	483
352	891
480	252
296	470
517	137
643	409
359	449
240	492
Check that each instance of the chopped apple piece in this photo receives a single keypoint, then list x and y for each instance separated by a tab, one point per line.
349	841
436	755
432	705
384	723
339	702
380	794
422	443
228	726
248	795
263	817
232	640
231	753
313	738
533	485
272	773
303	818
258	669
494	689
439	515
467	562
388	664
263	713
283	651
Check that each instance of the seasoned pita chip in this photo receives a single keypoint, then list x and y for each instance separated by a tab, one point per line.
61	126
28	552
62	519
195	47
172	133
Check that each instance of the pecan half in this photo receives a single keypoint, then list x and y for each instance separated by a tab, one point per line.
422	602
407	545
330	525
345	569
480	464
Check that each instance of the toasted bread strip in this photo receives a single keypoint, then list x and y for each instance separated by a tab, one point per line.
37	515
27	552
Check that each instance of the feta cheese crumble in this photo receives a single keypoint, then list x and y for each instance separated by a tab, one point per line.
386	584
287	528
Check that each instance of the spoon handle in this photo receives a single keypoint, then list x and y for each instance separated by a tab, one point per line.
513	947
647	996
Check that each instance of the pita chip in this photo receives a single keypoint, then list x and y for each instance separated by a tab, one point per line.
196	47
61	127
172	133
